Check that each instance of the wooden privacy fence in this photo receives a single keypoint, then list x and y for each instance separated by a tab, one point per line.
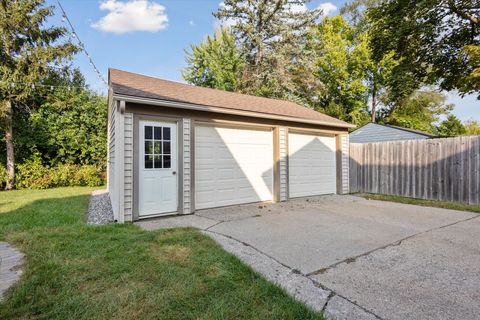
440	169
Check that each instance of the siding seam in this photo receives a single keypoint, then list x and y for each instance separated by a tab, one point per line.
283	163
128	167
186	166
345	164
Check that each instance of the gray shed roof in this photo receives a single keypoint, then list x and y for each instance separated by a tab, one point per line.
373	132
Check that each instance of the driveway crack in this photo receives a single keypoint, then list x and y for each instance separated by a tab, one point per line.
334	293
213	225
331	294
392	244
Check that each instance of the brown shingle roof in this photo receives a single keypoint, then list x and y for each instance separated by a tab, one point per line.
136	85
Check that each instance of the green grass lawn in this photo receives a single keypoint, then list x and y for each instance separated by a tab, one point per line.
76	271
421	202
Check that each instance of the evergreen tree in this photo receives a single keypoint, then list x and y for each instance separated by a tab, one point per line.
451	127
271	35
28	51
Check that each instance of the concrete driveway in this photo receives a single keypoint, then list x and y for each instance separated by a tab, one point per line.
393	261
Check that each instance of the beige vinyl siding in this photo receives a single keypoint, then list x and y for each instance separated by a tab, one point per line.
128	166
187	199
111	156
283	164
345	163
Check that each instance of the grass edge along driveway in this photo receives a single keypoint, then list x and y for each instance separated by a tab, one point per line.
77	271
421	202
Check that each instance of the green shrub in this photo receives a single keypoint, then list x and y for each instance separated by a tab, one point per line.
32	174
63	175
88	175
3	176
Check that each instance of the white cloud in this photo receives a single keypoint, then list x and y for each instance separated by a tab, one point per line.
327	8
131	16
297	8
192	23
223	23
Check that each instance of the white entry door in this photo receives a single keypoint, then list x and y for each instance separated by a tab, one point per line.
232	166
158	178
311	165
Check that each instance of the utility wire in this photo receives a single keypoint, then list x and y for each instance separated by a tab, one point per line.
82	46
34	85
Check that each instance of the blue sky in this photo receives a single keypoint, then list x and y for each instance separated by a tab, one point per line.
151	40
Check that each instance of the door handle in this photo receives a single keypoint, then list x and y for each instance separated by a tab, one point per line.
174	172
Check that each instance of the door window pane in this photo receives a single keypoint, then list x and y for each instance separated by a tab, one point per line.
148	161
148	147
157	161
166	162
158	133
148	132
166	133
166	147
158	147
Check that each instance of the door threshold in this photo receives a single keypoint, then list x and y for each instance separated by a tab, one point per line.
158	215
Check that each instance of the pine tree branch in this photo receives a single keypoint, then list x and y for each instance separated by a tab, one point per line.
463	14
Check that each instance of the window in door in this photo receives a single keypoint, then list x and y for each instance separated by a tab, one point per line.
157	147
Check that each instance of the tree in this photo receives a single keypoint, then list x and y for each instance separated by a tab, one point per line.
70	127
438	40
28	51
388	80
421	110
271	35
215	63
342	61
451	127
472	127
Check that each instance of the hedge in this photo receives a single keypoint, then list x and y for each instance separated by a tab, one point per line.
32	174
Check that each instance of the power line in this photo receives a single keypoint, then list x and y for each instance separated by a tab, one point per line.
33	85
81	45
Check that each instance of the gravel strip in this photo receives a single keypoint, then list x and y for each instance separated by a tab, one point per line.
100	209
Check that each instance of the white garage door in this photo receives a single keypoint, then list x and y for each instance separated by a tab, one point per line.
232	166
311	161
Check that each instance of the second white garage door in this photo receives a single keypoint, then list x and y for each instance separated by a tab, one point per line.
232	166
311	161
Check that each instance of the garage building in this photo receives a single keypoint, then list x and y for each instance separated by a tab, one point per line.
176	148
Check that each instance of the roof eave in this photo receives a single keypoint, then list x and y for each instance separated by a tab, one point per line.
191	106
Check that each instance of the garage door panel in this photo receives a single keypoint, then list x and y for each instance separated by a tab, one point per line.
227	174
311	165
238	168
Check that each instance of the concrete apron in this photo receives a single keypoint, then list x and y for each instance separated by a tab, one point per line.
353	258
